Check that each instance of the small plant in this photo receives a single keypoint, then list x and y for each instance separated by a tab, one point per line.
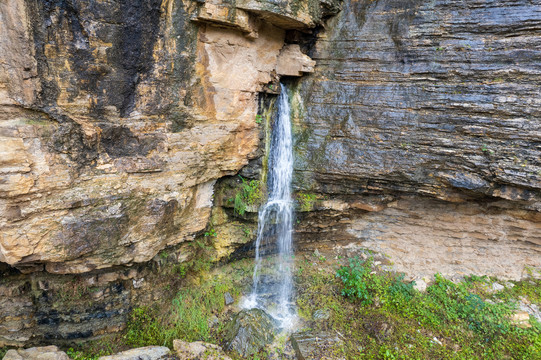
258	119
210	233
246	232
358	280
306	201
3	351
485	149
249	194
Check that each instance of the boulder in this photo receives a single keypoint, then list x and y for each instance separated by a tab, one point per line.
143	353
249	331
320	345
198	350
228	298
35	353
521	319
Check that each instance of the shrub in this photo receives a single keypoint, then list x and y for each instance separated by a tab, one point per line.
359	283
249	194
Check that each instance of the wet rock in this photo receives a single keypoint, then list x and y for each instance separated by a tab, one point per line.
249	331
228	298
36	353
198	350
317	345
144	353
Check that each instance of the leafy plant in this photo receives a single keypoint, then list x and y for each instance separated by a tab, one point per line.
258	119
249	194
211	233
306	201
359	282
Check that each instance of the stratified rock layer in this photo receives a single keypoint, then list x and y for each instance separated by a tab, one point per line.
426	100
116	119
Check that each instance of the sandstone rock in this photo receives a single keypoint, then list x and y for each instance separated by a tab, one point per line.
497	287
198	350
36	353
521	319
292	62
531	309
143	353
109	148
420	285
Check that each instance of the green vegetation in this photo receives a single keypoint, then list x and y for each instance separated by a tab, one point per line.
3	351
306	201
187	320
249	194
81	355
258	119
382	317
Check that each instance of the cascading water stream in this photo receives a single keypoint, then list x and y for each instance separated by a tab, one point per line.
275	223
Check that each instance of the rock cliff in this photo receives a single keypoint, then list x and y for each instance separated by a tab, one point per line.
116	120
417	136
420	128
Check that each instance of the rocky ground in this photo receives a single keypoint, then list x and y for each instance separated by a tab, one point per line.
350	306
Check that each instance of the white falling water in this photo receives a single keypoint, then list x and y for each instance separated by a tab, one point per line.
275	224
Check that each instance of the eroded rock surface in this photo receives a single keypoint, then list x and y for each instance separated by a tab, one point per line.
249	331
36	353
198	350
117	119
143	353
414	101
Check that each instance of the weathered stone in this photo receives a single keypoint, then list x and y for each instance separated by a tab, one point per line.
420	285
116	121
198	350
423	236
292	62
249	331
425	100
521	319
321	345
228	298
143	353
321	314
36	353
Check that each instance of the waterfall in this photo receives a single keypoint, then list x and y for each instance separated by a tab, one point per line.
275	224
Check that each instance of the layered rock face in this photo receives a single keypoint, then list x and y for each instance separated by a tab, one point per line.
421	128
116	120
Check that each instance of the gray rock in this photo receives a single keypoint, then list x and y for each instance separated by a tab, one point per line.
497	287
249	331
316	345
143	353
36	353
198	350
321	314
531	309
228	298
420	285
